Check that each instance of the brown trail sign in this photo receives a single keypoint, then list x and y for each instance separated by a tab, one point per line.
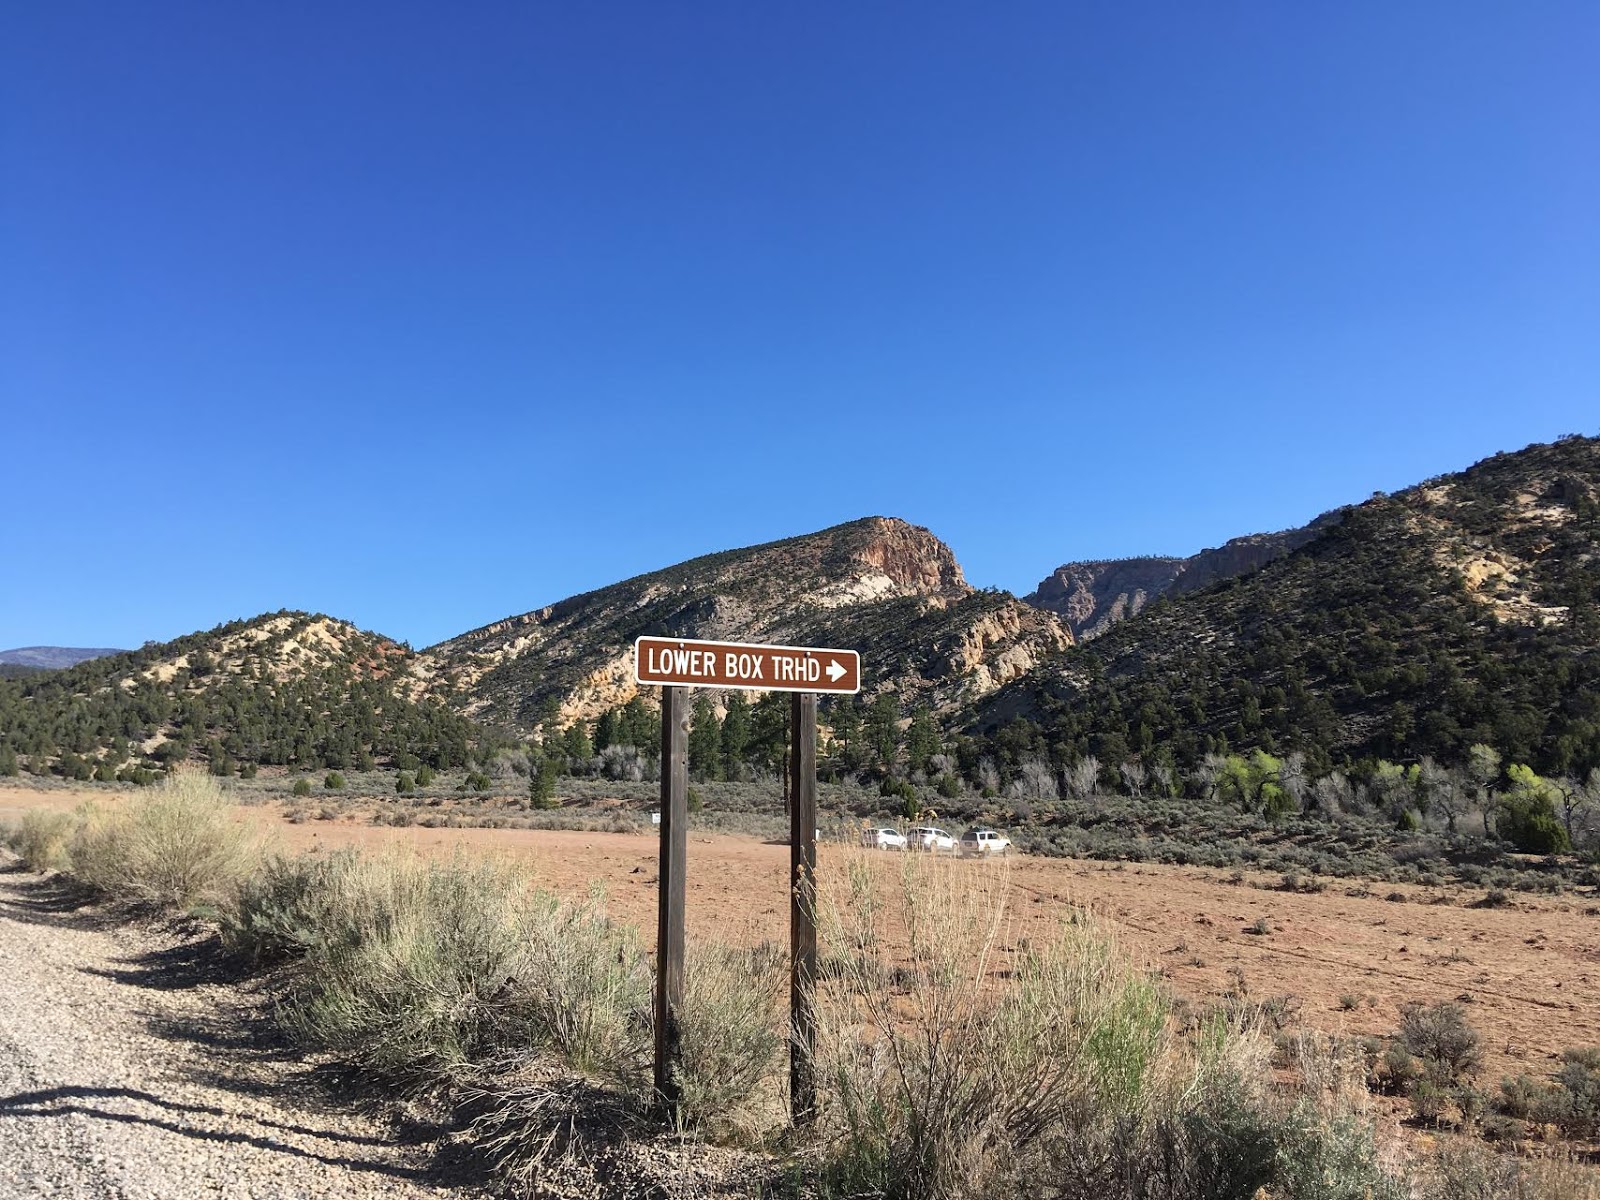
683	662
679	663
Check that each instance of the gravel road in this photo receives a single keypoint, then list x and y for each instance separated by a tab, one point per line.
129	1072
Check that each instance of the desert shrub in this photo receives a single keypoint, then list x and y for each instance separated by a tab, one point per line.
477	781
1521	1097
1579	1080
175	847
1429	1101
1473	1173
333	781
1571	1103
732	1032
1450	1049
284	909
1529	822
40	839
897	789
404	784
302	787
425	775
424	972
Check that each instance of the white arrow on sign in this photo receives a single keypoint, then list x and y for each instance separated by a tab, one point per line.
835	671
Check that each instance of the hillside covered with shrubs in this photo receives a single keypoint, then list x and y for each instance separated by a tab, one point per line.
292	689
1463	611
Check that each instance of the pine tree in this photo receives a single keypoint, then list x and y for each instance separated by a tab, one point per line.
705	740
736	732
641	727
883	729
922	740
769	732
844	719
576	744
542	783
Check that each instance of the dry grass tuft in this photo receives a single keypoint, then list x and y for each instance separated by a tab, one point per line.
40	839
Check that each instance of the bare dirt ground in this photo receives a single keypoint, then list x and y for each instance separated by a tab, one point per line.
1529	975
128	1071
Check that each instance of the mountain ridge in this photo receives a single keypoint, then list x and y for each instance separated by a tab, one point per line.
53	658
1463	609
863	580
1094	594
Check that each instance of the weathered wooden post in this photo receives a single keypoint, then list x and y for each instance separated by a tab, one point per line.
802	905
670	922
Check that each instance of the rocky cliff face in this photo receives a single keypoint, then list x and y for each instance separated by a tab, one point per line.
879	585
1094	596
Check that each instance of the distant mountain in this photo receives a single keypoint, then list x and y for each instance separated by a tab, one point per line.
51	658
1093	596
1465	609
879	585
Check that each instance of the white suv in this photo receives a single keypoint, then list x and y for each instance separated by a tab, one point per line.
927	837
883	839
984	842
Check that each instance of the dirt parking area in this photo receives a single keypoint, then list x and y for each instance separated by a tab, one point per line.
1528	974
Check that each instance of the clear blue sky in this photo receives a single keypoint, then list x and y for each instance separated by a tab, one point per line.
421	315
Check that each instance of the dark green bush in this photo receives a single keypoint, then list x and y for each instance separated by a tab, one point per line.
1451	1051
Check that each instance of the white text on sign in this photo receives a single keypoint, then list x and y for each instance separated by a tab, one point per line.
747	668
745	665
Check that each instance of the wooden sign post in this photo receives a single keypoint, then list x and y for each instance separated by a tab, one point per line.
669	915
678	664
802	905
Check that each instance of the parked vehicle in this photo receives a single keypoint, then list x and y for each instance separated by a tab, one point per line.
930	837
981	843
883	839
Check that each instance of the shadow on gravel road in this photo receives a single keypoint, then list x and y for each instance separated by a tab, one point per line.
54	901
56	1102
191	963
219	1006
